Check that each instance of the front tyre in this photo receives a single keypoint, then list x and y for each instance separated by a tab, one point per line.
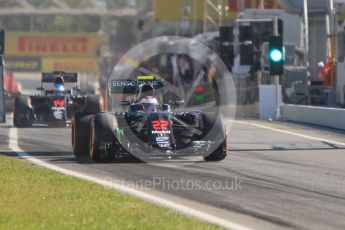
219	154
80	134
93	104
101	136
215	123
22	113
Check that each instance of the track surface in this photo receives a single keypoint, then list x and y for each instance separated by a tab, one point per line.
271	180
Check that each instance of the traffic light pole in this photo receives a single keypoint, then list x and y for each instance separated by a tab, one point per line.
2	94
276	77
306	48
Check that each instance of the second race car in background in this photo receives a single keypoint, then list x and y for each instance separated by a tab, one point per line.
57	102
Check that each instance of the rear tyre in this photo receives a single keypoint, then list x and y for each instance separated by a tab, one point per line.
80	134
22	113
215	122
93	104
81	126
102	133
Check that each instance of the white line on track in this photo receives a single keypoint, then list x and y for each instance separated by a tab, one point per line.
13	144
291	133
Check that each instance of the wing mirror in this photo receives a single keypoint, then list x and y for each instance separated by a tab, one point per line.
124	103
179	103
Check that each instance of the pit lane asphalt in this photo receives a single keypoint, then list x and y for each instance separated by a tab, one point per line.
270	180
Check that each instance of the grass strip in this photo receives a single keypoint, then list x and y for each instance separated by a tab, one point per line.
32	197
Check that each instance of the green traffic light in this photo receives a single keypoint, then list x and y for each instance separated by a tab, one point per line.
276	55
200	97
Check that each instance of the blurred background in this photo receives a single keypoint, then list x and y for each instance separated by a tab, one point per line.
89	37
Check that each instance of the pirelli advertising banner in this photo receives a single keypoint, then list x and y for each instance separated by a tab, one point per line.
31	52
52	44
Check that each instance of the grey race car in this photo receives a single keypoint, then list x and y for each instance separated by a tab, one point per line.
147	129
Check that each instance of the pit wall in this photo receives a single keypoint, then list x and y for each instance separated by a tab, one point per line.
323	116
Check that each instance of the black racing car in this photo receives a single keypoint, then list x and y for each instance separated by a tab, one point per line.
55	105
147	129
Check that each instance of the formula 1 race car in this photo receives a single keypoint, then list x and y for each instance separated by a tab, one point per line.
54	106
147	129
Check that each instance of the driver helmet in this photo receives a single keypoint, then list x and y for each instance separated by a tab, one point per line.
149	103
146	90
59	83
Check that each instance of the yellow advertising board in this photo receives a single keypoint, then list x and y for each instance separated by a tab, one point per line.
188	9
51	44
69	64
23	64
177	9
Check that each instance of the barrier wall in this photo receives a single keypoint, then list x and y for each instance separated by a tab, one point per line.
328	117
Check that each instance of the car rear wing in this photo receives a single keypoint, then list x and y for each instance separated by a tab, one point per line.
67	77
132	86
